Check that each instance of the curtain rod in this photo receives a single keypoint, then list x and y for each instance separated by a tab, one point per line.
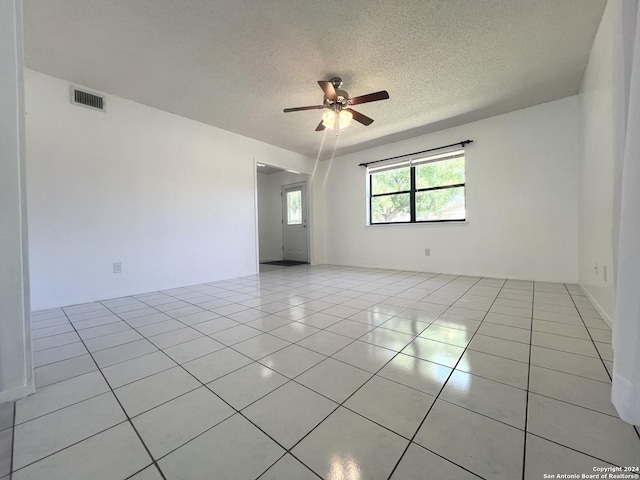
462	144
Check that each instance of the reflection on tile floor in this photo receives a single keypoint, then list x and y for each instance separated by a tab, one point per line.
331	372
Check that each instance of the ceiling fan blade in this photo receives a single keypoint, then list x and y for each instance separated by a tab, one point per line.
297	109
358	117
328	89
320	127
372	97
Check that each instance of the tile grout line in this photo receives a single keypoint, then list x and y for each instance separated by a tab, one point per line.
74	443
635	427
567	351
202	384
304	386
128	418
289	450
442	388
572	448
547	333
321	285
13	441
70	358
291	380
589	333
486	416
184	301
66	406
373	374
139	472
341	404
261	332
339	319
280	458
562	371
526	409
574	404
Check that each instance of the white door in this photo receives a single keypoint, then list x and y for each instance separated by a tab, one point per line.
295	239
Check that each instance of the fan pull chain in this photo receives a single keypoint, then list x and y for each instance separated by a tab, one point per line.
335	147
313	174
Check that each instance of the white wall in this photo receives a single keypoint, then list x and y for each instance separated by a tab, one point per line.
597	169
270	212
522	208
172	199
16	371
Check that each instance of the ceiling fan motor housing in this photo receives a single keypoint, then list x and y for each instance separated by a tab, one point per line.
342	102
336	82
343	96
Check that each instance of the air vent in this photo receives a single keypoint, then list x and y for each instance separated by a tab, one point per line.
87	99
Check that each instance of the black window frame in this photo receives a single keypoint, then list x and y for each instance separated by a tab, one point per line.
413	190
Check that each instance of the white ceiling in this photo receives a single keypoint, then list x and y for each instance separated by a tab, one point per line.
268	169
236	64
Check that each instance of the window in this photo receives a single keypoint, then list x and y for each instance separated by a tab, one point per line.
294	212
425	189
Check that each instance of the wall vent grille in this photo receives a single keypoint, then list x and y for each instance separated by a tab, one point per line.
87	99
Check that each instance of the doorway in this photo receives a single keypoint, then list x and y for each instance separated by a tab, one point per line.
283	216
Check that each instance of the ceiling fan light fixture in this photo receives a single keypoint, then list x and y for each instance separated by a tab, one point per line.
329	119
344	119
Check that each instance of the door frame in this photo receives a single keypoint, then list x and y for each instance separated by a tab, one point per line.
306	176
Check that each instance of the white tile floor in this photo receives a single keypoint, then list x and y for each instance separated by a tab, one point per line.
332	372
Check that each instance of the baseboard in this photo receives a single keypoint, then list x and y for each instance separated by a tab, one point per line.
595	303
17	393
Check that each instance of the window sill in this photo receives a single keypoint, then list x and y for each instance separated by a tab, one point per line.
454	223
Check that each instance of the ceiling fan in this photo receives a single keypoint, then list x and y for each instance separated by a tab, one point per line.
338	103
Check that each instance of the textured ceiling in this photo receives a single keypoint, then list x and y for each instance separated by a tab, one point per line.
237	64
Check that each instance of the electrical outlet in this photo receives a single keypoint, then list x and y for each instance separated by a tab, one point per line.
604	273
117	267
427	252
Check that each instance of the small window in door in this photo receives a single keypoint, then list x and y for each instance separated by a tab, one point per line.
294	210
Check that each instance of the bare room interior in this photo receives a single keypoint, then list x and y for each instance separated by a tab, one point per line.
340	240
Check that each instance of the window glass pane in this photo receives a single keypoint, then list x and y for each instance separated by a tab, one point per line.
440	174
388	181
294	207
390	208
445	204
